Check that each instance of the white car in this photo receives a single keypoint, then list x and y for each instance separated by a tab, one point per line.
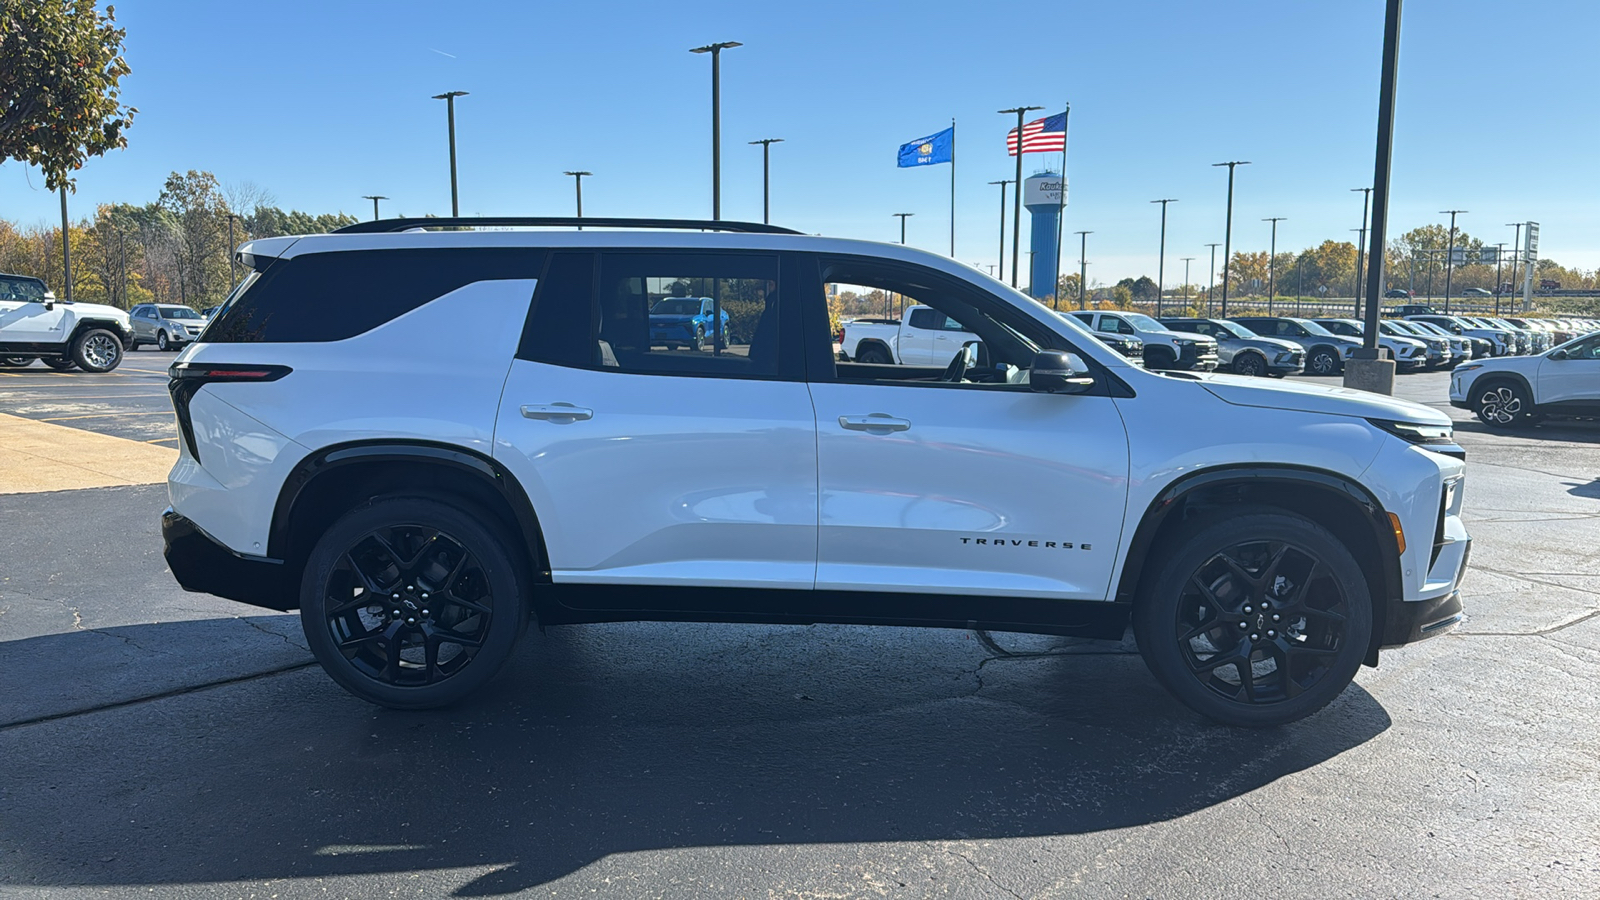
34	324
1520	390
1163	347
420	502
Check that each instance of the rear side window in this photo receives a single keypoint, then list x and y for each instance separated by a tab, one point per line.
333	296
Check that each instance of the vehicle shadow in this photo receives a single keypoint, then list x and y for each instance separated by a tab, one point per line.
1579	431
604	740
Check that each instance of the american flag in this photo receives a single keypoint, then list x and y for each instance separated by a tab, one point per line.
1040	136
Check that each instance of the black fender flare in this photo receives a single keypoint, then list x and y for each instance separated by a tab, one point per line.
873	342
335	457
90	324
1336	487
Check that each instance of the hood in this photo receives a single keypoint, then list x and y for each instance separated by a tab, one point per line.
1262	343
1181	335
97	309
1315	398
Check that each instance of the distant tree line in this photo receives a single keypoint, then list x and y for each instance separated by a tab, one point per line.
175	249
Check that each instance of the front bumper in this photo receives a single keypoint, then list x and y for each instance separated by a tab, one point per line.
204	566
1406	623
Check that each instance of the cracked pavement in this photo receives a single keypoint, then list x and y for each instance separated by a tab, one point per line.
164	741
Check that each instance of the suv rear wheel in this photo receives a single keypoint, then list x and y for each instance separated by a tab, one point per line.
97	350
1257	617
16	361
412	603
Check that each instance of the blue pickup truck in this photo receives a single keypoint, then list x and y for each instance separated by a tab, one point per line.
685	321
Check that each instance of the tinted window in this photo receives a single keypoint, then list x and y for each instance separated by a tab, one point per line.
333	296
930	319
738	336
560	327
23	289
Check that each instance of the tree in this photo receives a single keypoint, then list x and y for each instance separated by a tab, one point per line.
61	69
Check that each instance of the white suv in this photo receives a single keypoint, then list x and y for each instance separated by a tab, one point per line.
1520	390
36	325
419	500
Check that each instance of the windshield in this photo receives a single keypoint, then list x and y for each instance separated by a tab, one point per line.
1143	322
178	312
1233	328
1314	328
677	307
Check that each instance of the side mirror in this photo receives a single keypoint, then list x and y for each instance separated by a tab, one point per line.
1558	354
1059	372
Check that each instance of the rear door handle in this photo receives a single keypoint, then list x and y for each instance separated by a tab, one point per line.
876	423
557	412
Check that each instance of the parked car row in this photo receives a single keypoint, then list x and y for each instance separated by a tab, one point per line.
1513	335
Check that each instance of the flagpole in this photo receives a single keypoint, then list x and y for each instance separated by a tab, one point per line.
1061	206
952	187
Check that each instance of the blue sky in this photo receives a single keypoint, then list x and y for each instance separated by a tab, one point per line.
323	102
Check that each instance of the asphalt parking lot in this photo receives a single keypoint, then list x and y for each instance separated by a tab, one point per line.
154	740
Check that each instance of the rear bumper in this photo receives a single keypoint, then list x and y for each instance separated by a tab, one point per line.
204	566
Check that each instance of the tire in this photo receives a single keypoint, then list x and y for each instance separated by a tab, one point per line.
1323	361
161	340
699	342
1251	364
875	354
1159	358
59	363
408	545
16	362
1191	614
1503	404
97	350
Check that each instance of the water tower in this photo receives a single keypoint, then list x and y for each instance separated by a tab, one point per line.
1042	195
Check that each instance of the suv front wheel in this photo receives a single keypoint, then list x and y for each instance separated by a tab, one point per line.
412	603
97	350
1256	618
1323	362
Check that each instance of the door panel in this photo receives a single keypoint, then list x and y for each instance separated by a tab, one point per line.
29	322
985	492
666	480
1572	380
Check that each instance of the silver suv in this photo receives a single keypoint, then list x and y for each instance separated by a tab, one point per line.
167	325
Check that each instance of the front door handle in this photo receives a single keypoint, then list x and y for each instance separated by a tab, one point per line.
875	423
557	412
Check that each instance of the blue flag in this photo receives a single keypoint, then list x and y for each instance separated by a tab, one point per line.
935	148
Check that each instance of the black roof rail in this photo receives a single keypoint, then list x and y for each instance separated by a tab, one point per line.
387	226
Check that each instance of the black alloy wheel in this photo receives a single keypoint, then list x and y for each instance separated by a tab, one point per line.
412	603
1251	364
1259	618
1323	362
874	355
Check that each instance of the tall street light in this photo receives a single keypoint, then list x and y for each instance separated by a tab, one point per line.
1083	265
1367	368
449	98
577	183
1211	283
233	274
1450	256
1003	182
766	177
716	121
66	247
374	198
1516	254
1361	249
1272	261
903	217
1499	258
1186	260
1161	261
1016	218
1227	235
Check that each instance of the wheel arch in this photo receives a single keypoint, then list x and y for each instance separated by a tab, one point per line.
879	343
1487	378
1250	351
333	479
1336	502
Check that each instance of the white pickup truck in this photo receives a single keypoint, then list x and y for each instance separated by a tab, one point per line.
923	336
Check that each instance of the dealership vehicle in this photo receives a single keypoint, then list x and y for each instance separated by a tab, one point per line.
1445	350
1326	352
1242	351
1397	294
922	336
1163	348
1520	390
1411	309
420	501
34	324
166	325
1522	341
1500	342
687	322
1476	347
1477	292
1408	353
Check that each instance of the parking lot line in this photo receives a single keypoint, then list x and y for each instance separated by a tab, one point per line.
129	412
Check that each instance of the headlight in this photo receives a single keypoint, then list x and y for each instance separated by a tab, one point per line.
1183	342
1413	433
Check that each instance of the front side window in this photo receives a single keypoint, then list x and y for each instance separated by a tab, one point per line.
1114	325
25	290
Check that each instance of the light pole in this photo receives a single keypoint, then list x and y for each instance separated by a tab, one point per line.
1186	260
233	275
66	247
1516	252
716	121
766	177
1016	218
1368	369
374	198
1083	263
449	98
1003	182
1161	260
903	217
577	183
1272	261
1227	235
1211	283
1361	249
1450	256
1499	258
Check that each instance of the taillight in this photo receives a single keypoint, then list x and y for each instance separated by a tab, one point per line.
189	377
